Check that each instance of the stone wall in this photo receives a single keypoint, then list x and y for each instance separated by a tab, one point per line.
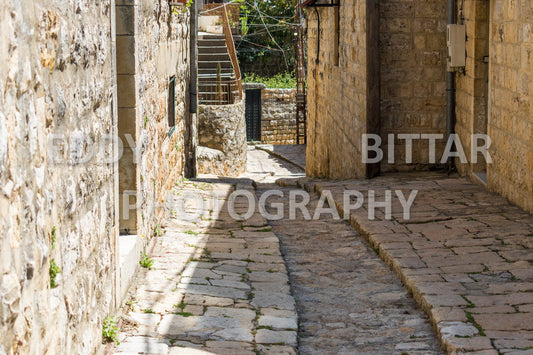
511	91
267	65
495	98
59	178
472	83
342	89
491	98
163	52
222	128
413	78
58	196
278	116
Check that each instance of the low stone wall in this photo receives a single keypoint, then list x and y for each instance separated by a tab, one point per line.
278	116
223	128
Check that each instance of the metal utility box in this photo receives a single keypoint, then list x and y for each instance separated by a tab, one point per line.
456	41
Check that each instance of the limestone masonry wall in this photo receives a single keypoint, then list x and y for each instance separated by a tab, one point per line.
73	83
278	116
222	128
413	78
495	98
58	197
472	84
510	122
337	92
163	52
493	93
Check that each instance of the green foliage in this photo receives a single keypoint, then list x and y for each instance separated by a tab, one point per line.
146	262
157	231
54	237
53	270
110	331
278	17
278	81
184	314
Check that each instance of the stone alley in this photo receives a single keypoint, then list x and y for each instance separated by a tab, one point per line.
227	177
221	286
317	287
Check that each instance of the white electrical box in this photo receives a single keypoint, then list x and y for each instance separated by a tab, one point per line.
456	41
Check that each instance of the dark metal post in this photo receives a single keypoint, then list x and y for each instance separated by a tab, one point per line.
191	135
450	91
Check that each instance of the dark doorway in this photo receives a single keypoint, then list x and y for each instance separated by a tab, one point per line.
253	114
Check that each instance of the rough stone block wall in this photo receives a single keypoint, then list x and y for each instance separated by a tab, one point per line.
222	128
57	196
278	116
413	77
163	51
337	94
472	83
511	91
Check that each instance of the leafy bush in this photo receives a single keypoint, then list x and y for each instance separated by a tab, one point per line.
278	81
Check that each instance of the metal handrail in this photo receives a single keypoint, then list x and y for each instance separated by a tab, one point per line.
221	92
231	49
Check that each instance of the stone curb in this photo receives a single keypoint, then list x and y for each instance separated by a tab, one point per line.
452	334
280	156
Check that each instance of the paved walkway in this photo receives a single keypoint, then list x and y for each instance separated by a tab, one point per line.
218	285
294	154
348	300
465	254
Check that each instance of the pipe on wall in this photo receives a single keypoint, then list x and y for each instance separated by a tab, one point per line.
450	91
191	134
317	60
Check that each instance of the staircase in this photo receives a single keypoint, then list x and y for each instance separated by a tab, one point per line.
215	86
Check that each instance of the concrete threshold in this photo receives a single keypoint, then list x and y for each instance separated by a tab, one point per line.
129	250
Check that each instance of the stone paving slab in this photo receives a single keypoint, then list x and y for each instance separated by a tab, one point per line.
294	154
218	286
466	256
348	300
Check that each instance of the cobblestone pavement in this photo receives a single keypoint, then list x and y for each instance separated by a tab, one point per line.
294	154
220	286
217	286
348	300
465	253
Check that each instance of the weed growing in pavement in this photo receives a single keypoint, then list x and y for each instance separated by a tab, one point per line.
110	331
53	270
157	231
146	262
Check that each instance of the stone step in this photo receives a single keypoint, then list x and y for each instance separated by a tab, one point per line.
204	36
212	42
213	71
213	57
214	64
212	49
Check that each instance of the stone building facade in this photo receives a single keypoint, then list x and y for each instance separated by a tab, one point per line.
60	117
379	67
495	98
